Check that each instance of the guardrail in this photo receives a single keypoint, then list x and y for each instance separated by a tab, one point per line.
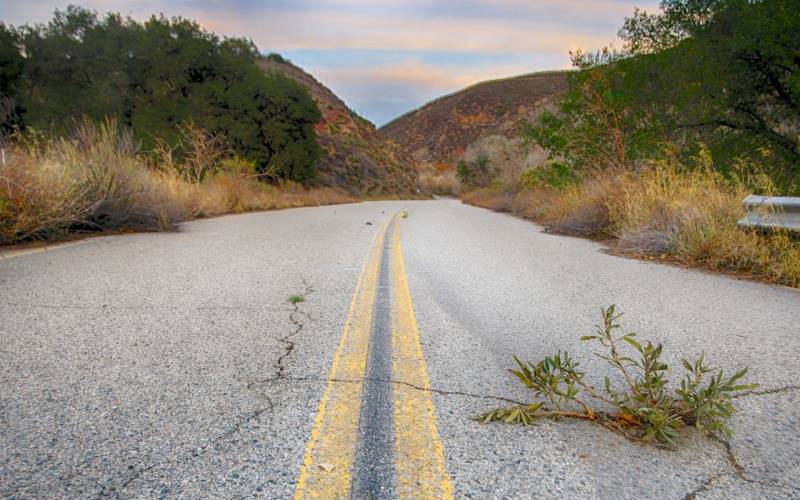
771	212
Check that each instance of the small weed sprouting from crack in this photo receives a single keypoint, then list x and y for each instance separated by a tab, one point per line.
645	410
294	317
738	469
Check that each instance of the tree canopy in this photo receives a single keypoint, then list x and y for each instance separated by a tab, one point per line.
154	76
721	73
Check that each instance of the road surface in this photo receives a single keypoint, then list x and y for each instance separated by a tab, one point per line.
173	364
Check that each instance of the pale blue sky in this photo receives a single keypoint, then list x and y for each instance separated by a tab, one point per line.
385	57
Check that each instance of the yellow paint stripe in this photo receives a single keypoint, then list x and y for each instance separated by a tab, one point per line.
421	471
328	465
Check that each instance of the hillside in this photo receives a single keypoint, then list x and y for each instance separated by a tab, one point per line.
355	157
441	131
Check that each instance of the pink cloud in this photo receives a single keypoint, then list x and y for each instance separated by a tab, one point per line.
442	78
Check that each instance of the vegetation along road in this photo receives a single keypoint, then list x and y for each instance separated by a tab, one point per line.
346	351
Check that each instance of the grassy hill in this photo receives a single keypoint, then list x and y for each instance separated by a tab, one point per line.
355	157
440	131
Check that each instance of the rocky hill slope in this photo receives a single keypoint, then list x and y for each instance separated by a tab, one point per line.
356	158
440	131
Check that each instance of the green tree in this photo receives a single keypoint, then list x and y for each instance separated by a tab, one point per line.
159	75
722	73
726	70
11	67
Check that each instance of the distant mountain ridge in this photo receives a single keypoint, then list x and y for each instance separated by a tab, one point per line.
441	130
355	157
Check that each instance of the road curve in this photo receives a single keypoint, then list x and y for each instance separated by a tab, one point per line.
173	364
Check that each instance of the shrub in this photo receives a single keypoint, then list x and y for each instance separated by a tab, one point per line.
91	181
476	173
643	405
509	157
553	174
437	180
722	73
494	199
197	153
584	209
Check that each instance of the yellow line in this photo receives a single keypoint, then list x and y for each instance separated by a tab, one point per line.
327	467
421	470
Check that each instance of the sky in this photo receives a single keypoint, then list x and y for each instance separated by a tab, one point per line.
384	57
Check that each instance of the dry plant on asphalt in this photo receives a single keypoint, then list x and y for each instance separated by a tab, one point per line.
643	407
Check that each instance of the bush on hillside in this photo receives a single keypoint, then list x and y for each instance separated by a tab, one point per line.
155	77
439	179
509	156
720	73
476	173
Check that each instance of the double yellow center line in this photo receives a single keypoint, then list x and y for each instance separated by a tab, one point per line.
328	468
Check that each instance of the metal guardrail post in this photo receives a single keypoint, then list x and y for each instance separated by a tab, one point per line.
771	212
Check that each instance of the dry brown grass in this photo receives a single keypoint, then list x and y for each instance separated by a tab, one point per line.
438	180
95	180
92	181
226	193
497	200
688	217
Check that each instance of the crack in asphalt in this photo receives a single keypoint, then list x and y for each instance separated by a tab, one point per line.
738	470
289	344
111	490
705	486
742	474
390	381
762	392
469	394
108	490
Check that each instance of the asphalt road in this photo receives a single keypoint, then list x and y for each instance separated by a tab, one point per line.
173	365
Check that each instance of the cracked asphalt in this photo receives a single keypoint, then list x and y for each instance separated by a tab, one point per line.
173	365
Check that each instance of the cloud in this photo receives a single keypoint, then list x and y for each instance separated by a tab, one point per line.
418	74
342	30
493	26
388	56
